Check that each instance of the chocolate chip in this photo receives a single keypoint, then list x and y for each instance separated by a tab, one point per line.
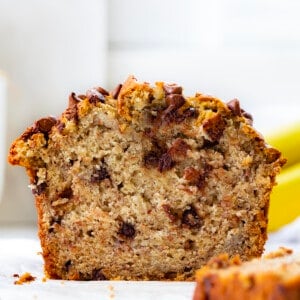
174	101
29	132
191	112
90	233
102	91
73	100
71	112
116	91
170	275
67	265
172	89
55	220
187	269
44	125
99	174
209	144
234	106
151	159
94	95
214	127
165	162
120	185
191	218
127	230
98	275
60	126
39	188
66	193
247	116
81	96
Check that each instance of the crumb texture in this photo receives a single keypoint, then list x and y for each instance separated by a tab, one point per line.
275	276
144	183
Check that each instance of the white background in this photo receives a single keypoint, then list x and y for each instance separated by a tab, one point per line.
244	49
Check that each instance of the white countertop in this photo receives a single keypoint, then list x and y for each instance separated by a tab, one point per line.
20	253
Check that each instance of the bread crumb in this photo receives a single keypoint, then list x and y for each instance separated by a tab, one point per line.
24	278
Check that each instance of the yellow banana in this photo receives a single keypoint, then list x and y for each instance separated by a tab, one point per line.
285	198
287	140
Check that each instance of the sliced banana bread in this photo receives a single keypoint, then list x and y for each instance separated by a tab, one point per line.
143	183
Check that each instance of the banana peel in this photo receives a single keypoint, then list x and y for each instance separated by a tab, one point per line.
285	197
287	140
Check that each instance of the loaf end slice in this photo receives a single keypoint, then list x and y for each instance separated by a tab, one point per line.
274	276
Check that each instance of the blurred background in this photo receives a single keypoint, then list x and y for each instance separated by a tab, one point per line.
242	49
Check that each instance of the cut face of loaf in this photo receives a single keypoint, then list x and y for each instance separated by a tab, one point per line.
146	184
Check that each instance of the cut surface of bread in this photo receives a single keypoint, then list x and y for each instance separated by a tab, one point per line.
274	276
144	183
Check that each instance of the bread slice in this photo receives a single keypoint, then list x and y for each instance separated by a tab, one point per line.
144	183
275	276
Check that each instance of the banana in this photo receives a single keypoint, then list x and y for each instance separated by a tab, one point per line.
287	140
285	198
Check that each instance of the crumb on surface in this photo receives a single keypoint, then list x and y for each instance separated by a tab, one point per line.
24	278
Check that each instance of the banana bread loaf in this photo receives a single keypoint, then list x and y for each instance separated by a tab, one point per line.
275	276
143	183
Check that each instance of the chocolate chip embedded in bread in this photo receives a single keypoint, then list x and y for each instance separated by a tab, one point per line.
66	193
190	218
151	159
99	174
172	89
39	188
214	127
247	116
174	101
95	96
44	125
165	162
115	92
67	265
127	230
190	112
98	275
71	112
55	220
234	106
102	91
60	126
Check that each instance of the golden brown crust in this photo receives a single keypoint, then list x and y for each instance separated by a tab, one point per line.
276	276
145	183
